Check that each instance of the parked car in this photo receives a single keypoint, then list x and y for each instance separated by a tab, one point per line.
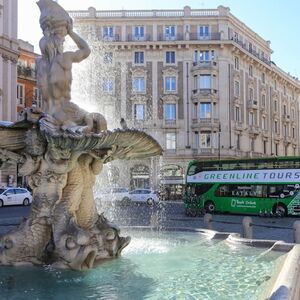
14	196
143	195
118	194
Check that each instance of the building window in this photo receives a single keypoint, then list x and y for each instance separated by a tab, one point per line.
170	57
276	126
251	94
252	144
205	110
275	85
251	71
204	55
276	149
252	118
263	100
203	32
284	110
170	32
205	140
108	32
238	141
20	94
236	63
108	57
237	114
37	97
139	32
293	132
171	141
107	85
284	90
285	131
170	112
263	78
293	113
139	57
197	143
265	146
170	84
139	84
236	88
264	123
275	106
139	112
204	81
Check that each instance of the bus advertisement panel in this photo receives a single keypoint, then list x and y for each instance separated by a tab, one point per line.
232	189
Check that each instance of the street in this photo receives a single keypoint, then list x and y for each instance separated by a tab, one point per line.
170	214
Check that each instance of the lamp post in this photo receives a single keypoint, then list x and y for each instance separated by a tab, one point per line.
219	144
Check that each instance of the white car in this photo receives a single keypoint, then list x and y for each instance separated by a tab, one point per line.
14	196
117	194
143	195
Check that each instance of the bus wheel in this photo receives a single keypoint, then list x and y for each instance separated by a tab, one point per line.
280	210
209	207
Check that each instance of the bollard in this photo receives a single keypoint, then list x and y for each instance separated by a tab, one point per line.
296	228
207	219
247	228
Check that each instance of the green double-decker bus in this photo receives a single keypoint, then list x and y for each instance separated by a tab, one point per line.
265	186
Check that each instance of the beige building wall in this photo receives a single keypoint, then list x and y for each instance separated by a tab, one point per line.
249	107
8	70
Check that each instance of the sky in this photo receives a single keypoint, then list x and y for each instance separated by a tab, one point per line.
274	20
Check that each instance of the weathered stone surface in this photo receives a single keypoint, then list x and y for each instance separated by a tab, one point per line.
61	149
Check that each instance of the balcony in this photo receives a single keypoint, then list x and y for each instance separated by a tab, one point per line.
204	92
214	36
250	50
135	38
204	65
252	104
170	123
164	37
238	126
286	118
113	38
253	129
26	72
206	123
204	152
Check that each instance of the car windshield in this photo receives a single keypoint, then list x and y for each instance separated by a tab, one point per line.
2	190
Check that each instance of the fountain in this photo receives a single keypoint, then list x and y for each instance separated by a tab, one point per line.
61	149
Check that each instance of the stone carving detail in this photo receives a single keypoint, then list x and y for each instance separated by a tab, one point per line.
169	71
61	149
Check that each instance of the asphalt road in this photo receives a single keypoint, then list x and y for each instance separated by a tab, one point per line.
170	214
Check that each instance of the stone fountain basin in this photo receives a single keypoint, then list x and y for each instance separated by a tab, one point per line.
177	263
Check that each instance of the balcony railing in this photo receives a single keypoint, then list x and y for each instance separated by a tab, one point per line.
108	38
252	104
134	38
251	51
26	71
205	64
194	36
205	91
164	37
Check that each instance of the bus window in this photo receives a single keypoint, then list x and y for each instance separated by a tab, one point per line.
245	190
274	191
200	189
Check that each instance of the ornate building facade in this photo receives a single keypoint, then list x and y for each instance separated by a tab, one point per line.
8	71
198	80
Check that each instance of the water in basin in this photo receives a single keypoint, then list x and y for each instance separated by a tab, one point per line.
155	265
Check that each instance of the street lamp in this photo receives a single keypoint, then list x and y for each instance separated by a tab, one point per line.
219	144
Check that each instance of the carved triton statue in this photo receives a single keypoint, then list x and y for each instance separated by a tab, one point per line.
61	149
